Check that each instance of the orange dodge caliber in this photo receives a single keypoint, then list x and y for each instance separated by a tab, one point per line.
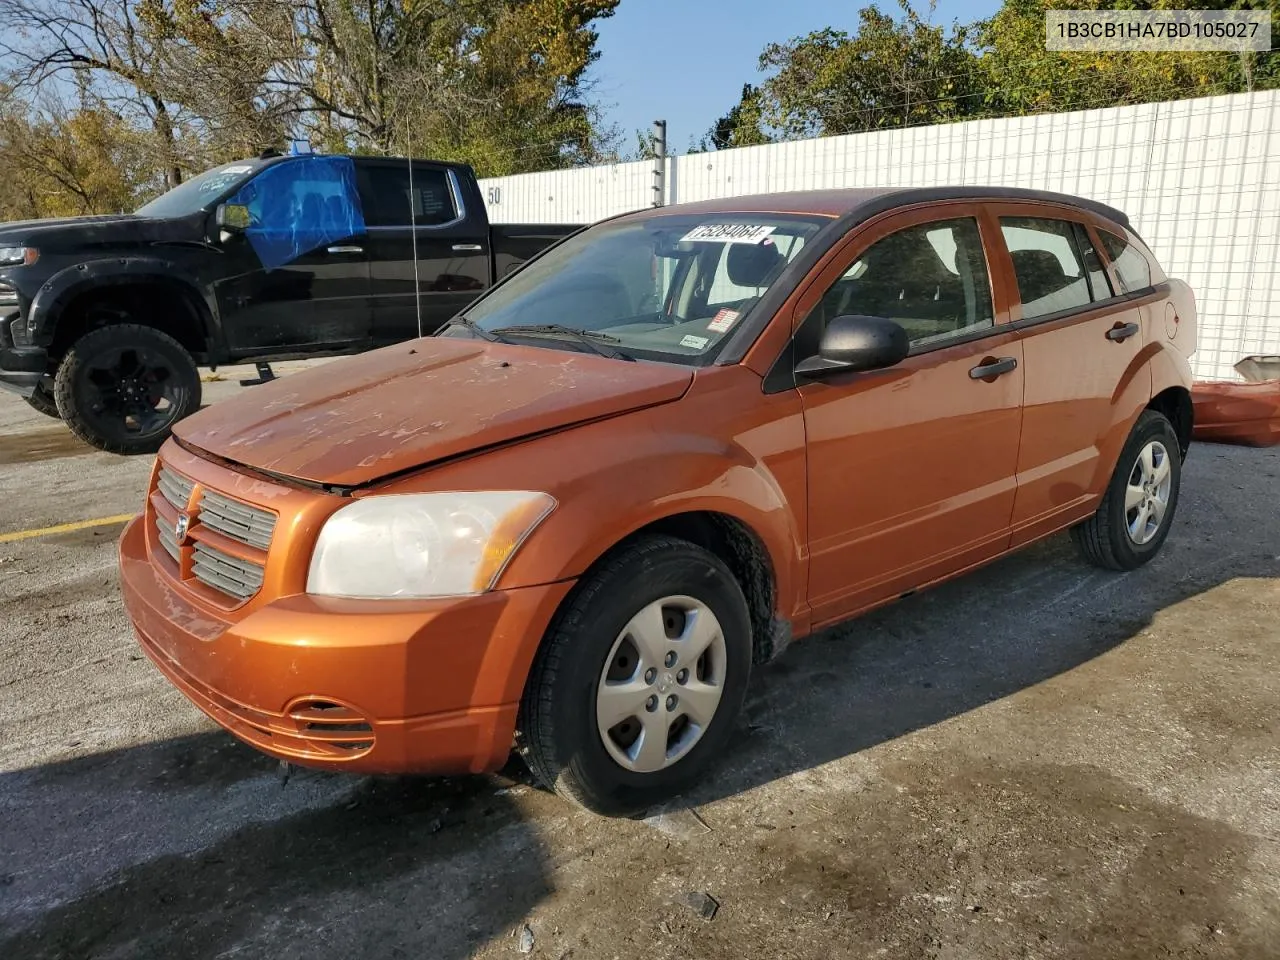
572	521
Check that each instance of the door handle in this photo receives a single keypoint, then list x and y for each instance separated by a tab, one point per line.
344	249
993	368
1122	331
467	247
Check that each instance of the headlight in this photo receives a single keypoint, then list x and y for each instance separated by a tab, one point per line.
423	544
12	255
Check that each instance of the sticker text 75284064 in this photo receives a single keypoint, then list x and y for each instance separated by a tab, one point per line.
728	233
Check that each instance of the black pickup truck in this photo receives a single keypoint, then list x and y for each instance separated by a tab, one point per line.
104	320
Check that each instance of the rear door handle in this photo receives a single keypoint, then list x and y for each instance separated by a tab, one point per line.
1122	331
993	368
346	249
467	247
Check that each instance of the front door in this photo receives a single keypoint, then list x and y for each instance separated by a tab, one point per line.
298	276
453	256
1080	342
911	469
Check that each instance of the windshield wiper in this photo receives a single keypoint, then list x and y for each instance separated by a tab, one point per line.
594	340
478	330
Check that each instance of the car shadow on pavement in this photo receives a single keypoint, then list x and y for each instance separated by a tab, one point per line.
1030	617
98	862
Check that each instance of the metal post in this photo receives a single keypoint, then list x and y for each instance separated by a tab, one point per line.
659	162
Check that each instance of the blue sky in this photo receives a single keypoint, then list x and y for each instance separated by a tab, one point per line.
685	61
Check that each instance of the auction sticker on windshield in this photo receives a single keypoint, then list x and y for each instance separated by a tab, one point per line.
728	233
723	320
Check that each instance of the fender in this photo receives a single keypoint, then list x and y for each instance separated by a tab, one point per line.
1128	400
1154	369
64	286
634	479
1169	368
613	478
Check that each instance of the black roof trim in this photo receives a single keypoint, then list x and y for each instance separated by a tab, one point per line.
911	195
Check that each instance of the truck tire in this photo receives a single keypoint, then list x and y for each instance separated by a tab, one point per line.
640	679
121	388
1134	517
42	400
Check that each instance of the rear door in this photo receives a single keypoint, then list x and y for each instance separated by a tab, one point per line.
453	254
911	469
1080	342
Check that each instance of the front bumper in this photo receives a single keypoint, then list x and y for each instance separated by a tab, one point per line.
364	686
21	366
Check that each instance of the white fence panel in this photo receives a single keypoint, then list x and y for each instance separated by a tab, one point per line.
1200	180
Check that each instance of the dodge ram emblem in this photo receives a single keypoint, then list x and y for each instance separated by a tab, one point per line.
180	528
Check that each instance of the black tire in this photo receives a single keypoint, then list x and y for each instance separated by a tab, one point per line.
112	382
559	735
42	400
1104	539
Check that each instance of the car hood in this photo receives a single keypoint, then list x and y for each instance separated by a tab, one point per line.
87	231
359	419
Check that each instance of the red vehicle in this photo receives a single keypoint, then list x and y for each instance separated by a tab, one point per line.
573	520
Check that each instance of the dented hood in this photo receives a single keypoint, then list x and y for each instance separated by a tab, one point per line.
356	420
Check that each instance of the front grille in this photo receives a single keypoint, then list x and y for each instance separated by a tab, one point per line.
167	539
237	520
240	578
175	488
203	552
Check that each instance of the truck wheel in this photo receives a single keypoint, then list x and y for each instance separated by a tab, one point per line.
1133	519
640	679
122	388
42	399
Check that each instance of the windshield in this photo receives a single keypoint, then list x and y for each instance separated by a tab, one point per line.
198	192
666	287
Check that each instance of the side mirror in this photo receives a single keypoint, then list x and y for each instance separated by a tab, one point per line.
855	343
232	217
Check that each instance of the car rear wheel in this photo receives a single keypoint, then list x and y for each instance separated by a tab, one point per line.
1133	519
42	400
640	680
122	387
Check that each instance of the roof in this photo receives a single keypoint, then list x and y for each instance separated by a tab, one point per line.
867	201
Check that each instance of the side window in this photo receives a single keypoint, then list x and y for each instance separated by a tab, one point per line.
932	279
1045	262
1132	269
1099	285
300	205
389	201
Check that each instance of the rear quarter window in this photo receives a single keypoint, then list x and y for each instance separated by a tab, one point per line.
1132	269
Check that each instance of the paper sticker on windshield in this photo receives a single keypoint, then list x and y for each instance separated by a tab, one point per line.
696	342
723	320
728	233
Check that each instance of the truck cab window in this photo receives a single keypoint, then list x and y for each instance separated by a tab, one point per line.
389	201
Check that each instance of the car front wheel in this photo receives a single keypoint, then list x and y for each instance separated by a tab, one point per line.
640	680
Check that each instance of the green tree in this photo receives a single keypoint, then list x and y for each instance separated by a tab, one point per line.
502	84
61	162
888	73
742	126
1020	76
